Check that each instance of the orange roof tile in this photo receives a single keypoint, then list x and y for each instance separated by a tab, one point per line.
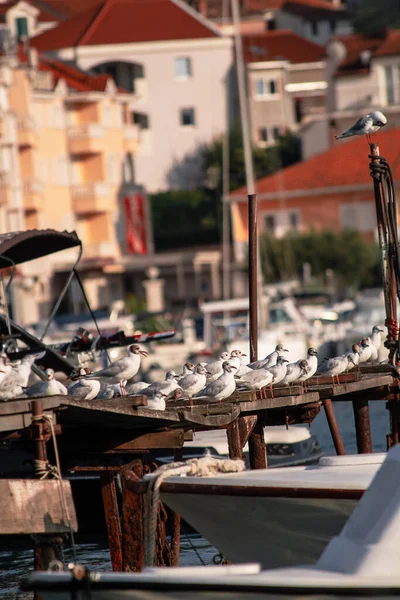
387	43
280	44
125	21
346	164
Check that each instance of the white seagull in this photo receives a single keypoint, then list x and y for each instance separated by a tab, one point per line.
194	382
134	388
124	368
354	357
375	342
166	387
235	359
221	388
257	379
49	387
82	388
312	365
215	368
294	371
366	351
279	370
112	390
157	402
335	366
17	376
370	123
270	359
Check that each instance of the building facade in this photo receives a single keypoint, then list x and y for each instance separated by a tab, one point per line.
179	66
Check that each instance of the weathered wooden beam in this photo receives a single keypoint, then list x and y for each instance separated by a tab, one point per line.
112	518
29	506
333	427
257	449
234	443
176	524
103	442
363	426
132	519
246	426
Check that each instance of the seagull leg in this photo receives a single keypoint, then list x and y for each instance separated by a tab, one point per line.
271	390
191	401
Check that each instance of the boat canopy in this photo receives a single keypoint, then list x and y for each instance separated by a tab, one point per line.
22	246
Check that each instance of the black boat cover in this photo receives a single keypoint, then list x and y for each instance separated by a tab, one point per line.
22	246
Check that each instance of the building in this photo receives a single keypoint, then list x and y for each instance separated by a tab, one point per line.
314	20
332	190
363	75
65	154
176	62
286	83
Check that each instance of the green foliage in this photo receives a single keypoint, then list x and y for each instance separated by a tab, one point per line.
374	16
184	218
266	160
354	261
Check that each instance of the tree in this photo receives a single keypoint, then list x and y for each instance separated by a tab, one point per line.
372	16
354	261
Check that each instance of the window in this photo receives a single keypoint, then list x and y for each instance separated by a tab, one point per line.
265	87
263	135
293	220
314	28
183	68
332	26
107	115
390	97
276	132
21	26
187	117
270	223
141	119
270	24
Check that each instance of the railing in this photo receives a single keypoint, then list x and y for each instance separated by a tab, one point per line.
32	186
93	130
96	188
26	123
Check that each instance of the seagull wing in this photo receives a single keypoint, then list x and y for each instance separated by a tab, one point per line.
112	370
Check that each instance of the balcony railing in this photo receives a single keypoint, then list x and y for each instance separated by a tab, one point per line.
87	138
93	130
92	197
33	194
26	132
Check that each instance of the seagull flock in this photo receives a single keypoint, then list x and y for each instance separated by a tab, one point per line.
213	381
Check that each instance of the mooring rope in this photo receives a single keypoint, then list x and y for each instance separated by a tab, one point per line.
206	466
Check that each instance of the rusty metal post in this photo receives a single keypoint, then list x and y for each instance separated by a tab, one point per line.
112	518
363	426
132	520
333	427
253	276
176	524
234	443
257	449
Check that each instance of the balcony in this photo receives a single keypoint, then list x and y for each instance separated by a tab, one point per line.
27	134
86	138
92	198
33	194
131	137
94	250
6	191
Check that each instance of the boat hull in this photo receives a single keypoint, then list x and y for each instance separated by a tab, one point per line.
275	532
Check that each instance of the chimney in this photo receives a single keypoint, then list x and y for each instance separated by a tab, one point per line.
203	7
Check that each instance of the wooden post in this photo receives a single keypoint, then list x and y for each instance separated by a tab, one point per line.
234	443
253	276
176	524
257	449
363	426
112	518
132	519
333	427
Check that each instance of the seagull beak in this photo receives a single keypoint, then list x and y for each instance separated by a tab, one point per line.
233	367
143	352
208	373
285	360
381	330
244	354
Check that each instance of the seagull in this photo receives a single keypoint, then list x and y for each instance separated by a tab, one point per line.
193	383
270	360
294	371
354	356
124	368
366	351
376	336
49	387
215	368
235	359
221	388
157	402
166	387
17	377
134	388
82	388
279	370
312	365
188	368
112	390
257	379
370	123
335	366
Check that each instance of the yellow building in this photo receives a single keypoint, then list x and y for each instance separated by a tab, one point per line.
66	145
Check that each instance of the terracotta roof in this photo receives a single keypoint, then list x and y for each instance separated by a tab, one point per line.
387	43
317	8
280	44
125	21
345	164
214	8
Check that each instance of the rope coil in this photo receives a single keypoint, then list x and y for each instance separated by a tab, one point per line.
206	466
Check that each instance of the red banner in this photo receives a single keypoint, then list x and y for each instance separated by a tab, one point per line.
136	238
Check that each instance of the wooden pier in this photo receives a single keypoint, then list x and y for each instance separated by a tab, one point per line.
116	436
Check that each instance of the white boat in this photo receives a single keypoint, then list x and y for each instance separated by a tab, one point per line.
360	561
287	447
276	517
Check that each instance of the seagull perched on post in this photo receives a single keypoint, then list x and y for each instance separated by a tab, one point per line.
124	368
370	123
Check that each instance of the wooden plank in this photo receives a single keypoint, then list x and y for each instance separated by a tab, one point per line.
111	513
324	379
34	506
384	368
284	401
25	405
211	420
111	443
346	389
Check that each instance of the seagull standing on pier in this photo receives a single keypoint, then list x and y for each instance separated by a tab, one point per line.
134	388
279	370
82	388
370	123
312	365
256	379
49	387
221	388
166	387
270	359
215	369
353	357
335	366
124	368
366	351
194	382
17	376
112	390
375	342
235	359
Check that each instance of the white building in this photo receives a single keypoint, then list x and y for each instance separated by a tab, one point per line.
177	62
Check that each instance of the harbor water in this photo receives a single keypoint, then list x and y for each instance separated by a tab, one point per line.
16	560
